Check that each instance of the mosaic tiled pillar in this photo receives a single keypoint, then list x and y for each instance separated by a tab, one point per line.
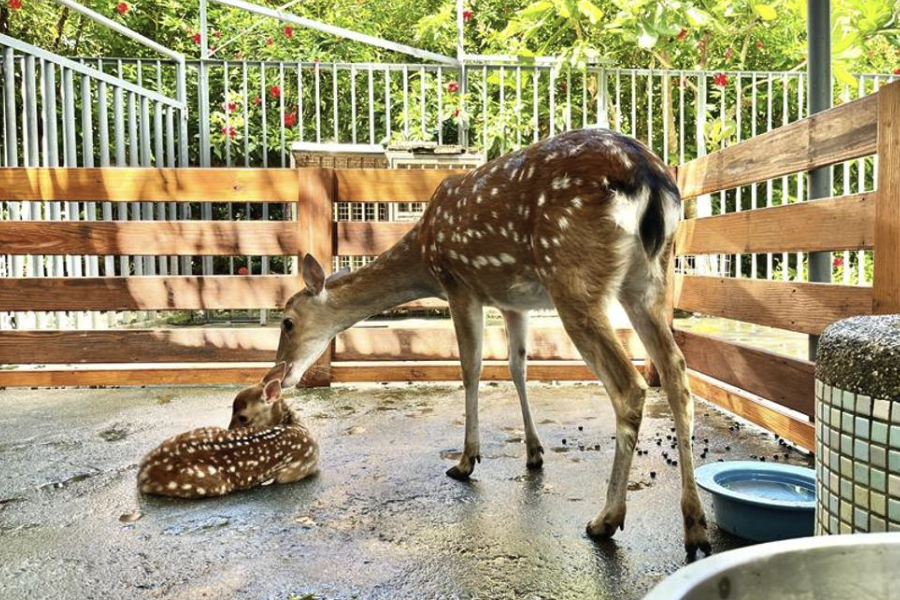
858	426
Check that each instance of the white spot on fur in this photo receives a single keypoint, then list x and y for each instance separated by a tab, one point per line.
530	171
453	254
563	223
576	202
550	157
557	242
561	183
545	243
494	191
507	258
541	200
494	261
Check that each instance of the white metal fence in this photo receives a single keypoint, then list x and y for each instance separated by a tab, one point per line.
254	110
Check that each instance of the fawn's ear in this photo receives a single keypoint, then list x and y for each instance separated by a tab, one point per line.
313	275
337	275
272	390
276	373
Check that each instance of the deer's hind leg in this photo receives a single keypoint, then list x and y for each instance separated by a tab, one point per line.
517	339
643	296
468	321
583	314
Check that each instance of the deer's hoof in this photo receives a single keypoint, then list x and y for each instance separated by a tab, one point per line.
604	527
695	537
535	458
458	474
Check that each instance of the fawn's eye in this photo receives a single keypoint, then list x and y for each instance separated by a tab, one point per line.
287	325
242	419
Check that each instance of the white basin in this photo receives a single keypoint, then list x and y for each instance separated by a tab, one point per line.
840	567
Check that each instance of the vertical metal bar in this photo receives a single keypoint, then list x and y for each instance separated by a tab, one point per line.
371	106
87	144
387	103
769	181
845	266
665	82
318	104
119	122
70	150
584	106
518	107
650	110
246	112
820	98
618	100
300	99
602	98
535	103
552	92
860	187
203	101
484	109
353	102
109	262
568	99
440	106
335	103
264	101
500	120
9	98
146	162
227	110
282	114
738	258
405	102
785	187
634	131
681	85
754	200
134	146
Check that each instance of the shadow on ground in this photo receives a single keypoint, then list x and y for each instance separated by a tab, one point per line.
380	521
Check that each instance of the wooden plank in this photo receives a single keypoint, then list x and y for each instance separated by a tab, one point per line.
439	343
202	345
158	293
787	381
887	210
184	238
845	223
842	133
138	346
359	238
245	375
156	185
795	429
795	306
315	214
147	293
389	185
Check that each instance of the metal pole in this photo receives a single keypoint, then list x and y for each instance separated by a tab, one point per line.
819	61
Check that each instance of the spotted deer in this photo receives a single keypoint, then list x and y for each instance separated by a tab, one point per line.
569	223
265	442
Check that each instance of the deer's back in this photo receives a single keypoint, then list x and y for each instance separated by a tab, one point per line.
212	461
504	228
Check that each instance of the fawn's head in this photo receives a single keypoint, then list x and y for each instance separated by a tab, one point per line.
309	323
257	405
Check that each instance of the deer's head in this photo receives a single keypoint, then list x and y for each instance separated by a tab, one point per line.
309	322
256	406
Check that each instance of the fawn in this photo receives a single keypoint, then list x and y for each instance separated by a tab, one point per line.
265	442
568	223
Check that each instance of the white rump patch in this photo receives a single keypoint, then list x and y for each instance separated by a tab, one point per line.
628	210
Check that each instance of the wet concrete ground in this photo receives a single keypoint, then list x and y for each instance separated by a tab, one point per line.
381	520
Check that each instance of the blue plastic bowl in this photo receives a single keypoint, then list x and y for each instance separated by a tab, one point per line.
760	501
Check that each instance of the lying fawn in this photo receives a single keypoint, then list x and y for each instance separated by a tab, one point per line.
568	223
264	442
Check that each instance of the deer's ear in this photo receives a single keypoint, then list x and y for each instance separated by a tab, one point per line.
272	390
313	275
337	275
276	373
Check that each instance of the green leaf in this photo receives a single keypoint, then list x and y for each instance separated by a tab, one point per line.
590	10
697	17
536	10
647	38
842	74
766	12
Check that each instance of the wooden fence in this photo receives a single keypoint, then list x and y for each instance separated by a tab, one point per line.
730	374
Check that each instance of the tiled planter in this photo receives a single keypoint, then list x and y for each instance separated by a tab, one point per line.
858	426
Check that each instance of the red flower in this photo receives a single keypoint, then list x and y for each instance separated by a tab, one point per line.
229	130
275	91
720	79
269	41
456	113
563	86
729	53
242	271
452	87
288	31
681	35
467	14
838	262
122	8
896	71
257	100
290	119
759	44
217	34
196	38
230	107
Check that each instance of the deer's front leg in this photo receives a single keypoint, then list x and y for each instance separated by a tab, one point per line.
517	338
468	320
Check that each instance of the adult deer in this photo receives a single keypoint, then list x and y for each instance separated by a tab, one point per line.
569	223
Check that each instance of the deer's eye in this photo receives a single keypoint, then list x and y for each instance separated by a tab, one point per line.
242	419
287	325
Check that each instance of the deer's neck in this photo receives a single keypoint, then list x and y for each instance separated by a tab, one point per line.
396	277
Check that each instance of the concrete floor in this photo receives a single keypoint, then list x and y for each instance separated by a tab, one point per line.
381	520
